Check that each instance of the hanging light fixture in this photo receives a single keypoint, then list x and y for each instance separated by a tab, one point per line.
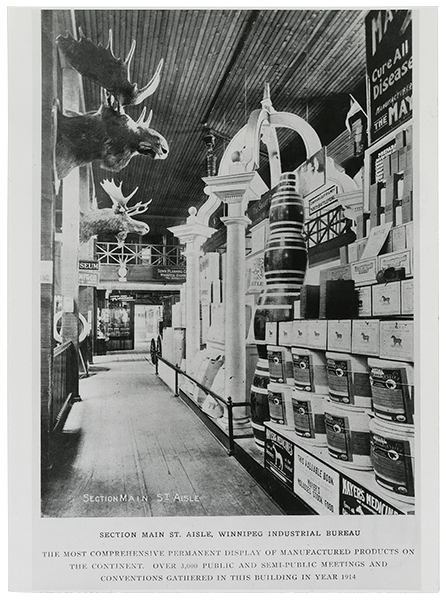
211	160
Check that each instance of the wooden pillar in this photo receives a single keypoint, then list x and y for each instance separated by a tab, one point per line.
47	232
70	223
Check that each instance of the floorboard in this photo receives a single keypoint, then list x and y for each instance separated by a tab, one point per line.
134	449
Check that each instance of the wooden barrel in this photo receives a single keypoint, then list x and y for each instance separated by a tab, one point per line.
259	396
285	258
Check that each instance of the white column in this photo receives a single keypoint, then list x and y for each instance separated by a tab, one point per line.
235	190
193	234
235	326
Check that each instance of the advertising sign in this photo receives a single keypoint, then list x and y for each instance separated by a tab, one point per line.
389	70
324	199
255	275
172	273
357	500
88	273
88	278
316	483
279	457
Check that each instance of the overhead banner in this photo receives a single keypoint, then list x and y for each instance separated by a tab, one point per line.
389	70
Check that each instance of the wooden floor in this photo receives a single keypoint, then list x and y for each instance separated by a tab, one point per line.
136	450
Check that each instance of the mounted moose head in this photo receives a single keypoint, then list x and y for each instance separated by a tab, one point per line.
116	220
109	134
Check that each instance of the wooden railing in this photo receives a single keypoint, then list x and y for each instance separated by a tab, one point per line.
111	253
226	440
65	388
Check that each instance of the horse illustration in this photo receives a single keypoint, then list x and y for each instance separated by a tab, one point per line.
396	341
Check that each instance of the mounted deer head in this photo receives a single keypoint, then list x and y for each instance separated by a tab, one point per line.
108	134
116	220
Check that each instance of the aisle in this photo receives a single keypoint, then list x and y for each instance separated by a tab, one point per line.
134	449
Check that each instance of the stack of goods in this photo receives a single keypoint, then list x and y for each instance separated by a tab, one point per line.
309	395
280	386
285	263
347	412
392	427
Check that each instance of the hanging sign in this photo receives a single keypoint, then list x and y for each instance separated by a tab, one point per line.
88	273
389	70
88	278
320	202
172	273
89	265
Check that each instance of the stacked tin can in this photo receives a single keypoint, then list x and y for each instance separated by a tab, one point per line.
392	427
348	410
285	263
309	395
280	386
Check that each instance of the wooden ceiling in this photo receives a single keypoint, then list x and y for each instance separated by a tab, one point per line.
216	63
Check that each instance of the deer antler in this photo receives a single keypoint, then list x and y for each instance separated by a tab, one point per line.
139	208
99	64
115	193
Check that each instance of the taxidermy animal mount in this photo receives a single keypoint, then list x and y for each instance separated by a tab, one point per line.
108	135
116	220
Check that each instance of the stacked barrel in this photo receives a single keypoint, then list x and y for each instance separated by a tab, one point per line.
285	263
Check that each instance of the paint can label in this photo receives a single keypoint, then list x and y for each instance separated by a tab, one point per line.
392	463
391	394
276	404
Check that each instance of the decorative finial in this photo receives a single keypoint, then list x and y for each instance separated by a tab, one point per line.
192	218
266	102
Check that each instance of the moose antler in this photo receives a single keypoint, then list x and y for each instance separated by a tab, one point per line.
115	220
139	208
99	64
120	201
115	193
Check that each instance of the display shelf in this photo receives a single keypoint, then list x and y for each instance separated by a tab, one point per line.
327	488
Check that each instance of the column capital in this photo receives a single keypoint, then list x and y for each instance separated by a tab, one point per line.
236	188
191	232
236	220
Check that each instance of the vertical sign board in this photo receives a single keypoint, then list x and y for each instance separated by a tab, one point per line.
316	483
279	457
88	273
389	70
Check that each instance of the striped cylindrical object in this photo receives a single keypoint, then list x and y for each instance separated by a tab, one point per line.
285	263
285	253
259	397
